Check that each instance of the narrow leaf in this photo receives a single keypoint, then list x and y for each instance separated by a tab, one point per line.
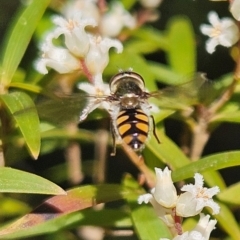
228	222
233	117
16	181
153	36
214	178
182	53
213	162
19	37
167	151
165	74
58	211
231	194
145	220
28	121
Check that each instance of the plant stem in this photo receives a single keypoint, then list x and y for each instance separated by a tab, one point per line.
138	161
199	139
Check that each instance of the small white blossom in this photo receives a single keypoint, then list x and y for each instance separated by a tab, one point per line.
150	3
205	226
222	32
97	57
113	21
100	90
165	192
202	230
235	9
76	38
195	198
58	58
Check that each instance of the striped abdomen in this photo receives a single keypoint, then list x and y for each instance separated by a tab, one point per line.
133	127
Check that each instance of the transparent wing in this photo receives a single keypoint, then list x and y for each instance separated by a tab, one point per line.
63	109
196	91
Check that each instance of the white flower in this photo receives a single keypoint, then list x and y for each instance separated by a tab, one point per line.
222	32
202	230
113	21
76	38
163	197
100	90
151	3
97	57
205	226
165	192
163	213
235	9
57	58
195	198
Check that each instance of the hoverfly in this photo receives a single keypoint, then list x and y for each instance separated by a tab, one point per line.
127	105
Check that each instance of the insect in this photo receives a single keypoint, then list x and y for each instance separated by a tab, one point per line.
127	104
130	114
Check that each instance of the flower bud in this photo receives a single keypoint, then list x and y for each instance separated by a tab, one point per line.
165	192
113	22
97	57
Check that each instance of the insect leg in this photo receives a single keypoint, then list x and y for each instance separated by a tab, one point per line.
113	153
154	129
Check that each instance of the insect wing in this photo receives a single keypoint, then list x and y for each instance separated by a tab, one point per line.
64	109
182	96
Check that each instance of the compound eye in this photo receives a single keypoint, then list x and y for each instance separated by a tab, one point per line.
117	79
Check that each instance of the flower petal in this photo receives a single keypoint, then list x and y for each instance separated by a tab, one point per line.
235	9
165	192
214	19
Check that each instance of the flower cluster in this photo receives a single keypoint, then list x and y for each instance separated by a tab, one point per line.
171	207
84	50
222	32
89	32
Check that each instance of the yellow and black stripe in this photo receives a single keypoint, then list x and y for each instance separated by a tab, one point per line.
133	127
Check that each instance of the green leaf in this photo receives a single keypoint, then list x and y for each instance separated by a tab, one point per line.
226	116
214	178
12	207
27	120
153	36
228	222
165	74
145	220
16	181
212	162
182	53
26	86
231	194
128	3
59	211
106	218
141	46
167	151
19	37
